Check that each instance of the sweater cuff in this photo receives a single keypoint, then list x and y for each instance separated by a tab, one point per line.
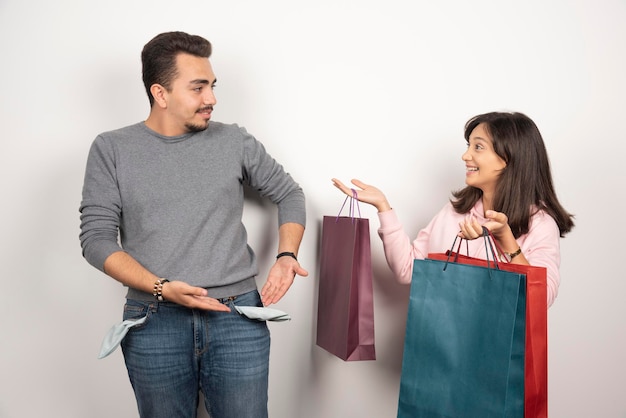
388	218
97	255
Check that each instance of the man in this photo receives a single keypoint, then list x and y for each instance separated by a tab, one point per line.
173	188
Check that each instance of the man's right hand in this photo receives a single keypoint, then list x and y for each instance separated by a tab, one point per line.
191	297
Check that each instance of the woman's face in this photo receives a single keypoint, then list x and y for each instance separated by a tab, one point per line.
483	165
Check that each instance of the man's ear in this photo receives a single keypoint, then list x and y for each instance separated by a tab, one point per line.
159	93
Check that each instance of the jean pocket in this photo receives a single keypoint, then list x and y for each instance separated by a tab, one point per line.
251	298
135	309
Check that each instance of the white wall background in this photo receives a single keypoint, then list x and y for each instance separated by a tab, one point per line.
368	89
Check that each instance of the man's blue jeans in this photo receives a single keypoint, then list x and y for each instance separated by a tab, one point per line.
178	352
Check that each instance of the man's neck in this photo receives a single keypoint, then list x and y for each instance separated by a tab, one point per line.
160	125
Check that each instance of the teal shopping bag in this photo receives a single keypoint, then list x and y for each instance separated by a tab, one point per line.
464	344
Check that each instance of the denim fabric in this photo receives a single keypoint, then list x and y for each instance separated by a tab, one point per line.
178	352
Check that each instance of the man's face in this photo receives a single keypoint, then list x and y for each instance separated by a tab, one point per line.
190	100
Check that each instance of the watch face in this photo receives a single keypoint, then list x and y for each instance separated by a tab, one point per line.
511	256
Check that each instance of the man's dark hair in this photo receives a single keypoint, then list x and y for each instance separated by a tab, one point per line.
158	57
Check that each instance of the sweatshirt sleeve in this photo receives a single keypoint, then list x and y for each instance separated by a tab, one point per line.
540	245
399	250
101	207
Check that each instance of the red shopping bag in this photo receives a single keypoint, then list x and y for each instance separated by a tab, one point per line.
536	350
345	311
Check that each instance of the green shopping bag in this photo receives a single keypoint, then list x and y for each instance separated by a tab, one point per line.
464	342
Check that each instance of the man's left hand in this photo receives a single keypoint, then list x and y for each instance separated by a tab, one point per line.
280	279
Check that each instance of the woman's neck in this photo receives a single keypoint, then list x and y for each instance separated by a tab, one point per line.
487	202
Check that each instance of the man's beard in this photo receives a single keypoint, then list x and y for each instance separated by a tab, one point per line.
196	128
199	128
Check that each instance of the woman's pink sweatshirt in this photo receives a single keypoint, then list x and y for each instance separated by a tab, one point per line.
540	245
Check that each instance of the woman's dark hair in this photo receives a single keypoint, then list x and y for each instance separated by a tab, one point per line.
525	182
158	57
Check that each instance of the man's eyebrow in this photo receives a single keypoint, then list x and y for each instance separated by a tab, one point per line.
202	81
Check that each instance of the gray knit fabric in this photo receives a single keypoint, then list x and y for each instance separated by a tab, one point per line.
177	203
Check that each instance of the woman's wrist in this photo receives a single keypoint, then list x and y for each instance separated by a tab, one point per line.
507	243
383	206
511	255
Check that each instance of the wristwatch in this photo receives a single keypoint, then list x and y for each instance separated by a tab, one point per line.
511	256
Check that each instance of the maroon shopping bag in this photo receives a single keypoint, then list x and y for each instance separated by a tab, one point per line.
345	310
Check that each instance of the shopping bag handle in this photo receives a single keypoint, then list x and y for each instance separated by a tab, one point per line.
354	202
489	239
495	243
489	247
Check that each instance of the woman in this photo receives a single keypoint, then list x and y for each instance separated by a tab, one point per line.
509	191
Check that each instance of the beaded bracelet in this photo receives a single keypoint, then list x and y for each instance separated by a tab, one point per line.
158	289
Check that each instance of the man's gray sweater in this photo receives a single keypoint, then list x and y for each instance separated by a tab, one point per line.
177	203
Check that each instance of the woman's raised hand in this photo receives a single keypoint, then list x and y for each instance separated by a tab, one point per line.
365	193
